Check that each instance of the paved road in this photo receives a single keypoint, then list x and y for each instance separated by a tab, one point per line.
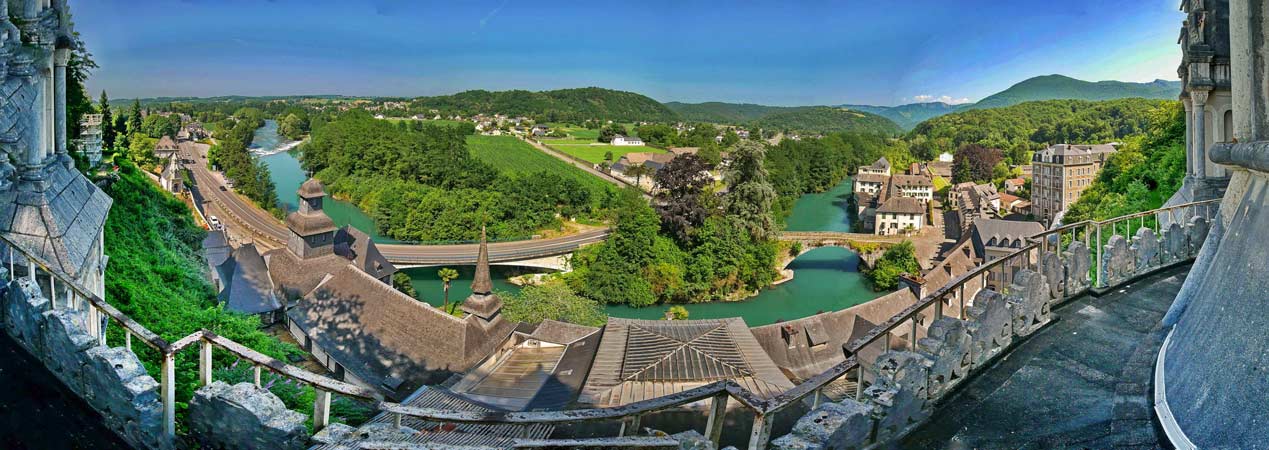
1083	382
268	230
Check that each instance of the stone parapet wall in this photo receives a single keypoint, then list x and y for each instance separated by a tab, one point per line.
243	416
111	380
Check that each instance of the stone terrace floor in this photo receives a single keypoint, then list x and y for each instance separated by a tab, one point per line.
38	412
1082	382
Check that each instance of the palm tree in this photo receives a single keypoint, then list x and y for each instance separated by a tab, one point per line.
446	275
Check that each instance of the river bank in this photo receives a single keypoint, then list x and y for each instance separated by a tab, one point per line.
823	279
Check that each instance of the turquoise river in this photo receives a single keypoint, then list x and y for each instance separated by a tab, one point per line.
824	279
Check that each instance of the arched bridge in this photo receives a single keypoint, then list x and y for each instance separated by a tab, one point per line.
823	238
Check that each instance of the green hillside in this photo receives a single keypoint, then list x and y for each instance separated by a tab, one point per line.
1033	125
827	119
728	113
907	116
564	105
1050	87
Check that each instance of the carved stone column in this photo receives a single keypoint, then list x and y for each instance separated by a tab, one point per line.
60	59
1199	98
1189	140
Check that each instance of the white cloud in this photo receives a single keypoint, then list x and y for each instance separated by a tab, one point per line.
925	98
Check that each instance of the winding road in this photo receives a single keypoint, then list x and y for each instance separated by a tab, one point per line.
268	230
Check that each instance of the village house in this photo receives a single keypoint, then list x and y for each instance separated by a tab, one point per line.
626	140
1062	172
165	148
1013	185
914	186
879	167
653	161
995	238
900	215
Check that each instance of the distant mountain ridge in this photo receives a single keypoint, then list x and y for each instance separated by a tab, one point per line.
908	116
1061	87
558	105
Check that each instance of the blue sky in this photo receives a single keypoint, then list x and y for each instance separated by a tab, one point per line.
882	52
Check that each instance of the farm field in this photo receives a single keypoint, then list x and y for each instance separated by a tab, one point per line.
445	122
511	155
594	153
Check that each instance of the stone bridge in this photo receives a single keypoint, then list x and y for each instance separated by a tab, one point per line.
837	239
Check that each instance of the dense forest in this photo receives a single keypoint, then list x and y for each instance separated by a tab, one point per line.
420	182
1032	126
157	278
1142	175
564	105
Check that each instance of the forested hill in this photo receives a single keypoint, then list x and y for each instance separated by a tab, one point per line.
1033	125
827	119
728	113
1050	87
564	105
907	116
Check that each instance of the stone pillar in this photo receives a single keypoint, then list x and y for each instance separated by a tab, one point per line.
60	59
1249	54
1199	97
50	115
1189	140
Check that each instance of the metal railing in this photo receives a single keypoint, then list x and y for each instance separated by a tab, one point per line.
997	274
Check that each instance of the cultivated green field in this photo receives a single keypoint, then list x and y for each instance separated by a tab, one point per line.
512	155
445	122
595	153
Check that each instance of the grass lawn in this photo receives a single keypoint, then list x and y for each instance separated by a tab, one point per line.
595	153
445	122
508	154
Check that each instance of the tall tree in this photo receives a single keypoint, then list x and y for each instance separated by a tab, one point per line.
134	117
107	122
678	201
447	275
974	162
749	194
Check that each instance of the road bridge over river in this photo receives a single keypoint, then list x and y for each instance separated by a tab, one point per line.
267	230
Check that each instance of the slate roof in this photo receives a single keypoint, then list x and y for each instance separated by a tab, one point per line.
643	359
166	145
309	224
482	302
216	250
940	168
880	164
312	189
358	248
59	222
902	205
295	277
998	233
381	335
246	285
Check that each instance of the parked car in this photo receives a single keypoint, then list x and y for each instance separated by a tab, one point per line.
215	223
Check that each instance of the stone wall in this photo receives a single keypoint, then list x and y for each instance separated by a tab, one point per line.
111	380
243	416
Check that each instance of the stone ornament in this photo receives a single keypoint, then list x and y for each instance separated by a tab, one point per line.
1196	233
947	345
1175	244
990	327
899	394
833	425
1078	259
1028	301
1054	271
1145	245
1118	261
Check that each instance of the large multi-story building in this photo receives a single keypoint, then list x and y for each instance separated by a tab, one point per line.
1061	173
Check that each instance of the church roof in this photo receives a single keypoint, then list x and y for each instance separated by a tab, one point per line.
166	144
309	224
482	302
357	247
246	285
59	222
312	189
643	359
382	336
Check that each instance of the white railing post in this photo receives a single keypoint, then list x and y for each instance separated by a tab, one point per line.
761	432
256	375
204	362
168	393
321	409
1097	281
717	412
127	339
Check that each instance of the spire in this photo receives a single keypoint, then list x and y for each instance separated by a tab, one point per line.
481	283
